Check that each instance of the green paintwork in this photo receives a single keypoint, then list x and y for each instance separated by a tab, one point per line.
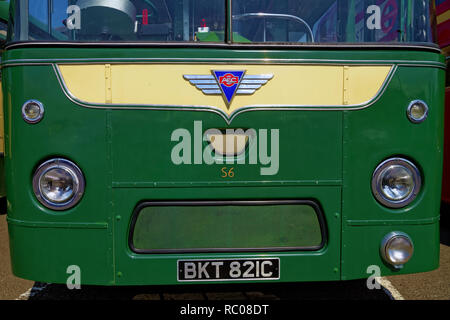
4	10
327	156
210	36
215	36
209	227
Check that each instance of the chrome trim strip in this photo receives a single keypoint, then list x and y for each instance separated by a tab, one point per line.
241	46
391	222
250	77
255	61
203	82
246	91
213	92
220	184
254	81
225	60
250	86
203	86
199	77
64	225
225	116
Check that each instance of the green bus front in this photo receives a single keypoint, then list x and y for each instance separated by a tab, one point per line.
117	115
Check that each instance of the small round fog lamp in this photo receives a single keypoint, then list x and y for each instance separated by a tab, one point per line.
32	111
417	111
396	249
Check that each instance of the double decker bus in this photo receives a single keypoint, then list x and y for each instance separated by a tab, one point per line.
154	142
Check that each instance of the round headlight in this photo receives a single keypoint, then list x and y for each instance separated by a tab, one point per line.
33	111
58	184
396	182
396	249
417	111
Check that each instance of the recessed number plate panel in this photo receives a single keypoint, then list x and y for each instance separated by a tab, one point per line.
229	269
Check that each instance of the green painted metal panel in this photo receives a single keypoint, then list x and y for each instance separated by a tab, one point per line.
4	10
47	253
157	268
309	147
375	134
362	249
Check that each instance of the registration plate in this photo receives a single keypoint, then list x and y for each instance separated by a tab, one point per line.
229	269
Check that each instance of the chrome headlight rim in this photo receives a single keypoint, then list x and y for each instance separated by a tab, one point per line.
377	177
387	240
41	112
69	167
409	111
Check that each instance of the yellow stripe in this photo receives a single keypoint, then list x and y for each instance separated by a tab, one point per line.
108	84
443	17
292	85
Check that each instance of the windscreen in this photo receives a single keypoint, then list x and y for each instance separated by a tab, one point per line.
252	21
333	21
119	20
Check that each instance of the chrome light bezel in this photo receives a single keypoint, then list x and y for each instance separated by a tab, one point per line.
73	170
384	248
411	118
41	112
377	177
